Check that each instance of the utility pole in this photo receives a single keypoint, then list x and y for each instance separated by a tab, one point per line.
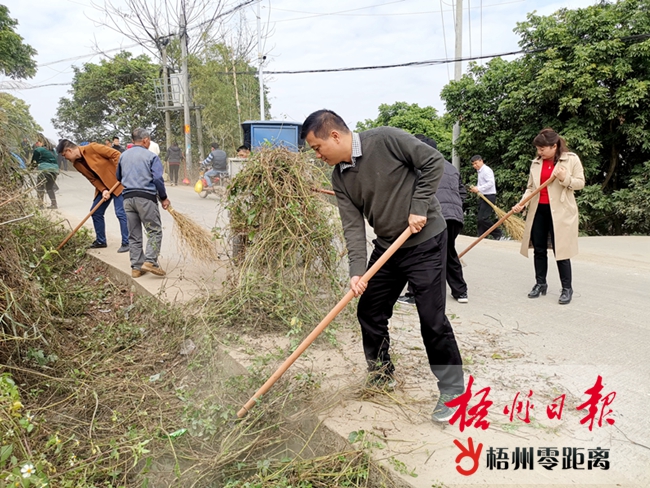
186	93
199	132
458	72
260	59
168	120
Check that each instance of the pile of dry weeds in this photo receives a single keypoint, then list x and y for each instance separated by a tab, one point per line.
287	243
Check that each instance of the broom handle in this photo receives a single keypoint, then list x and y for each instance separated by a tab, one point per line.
494	207
322	190
324	323
99	204
506	216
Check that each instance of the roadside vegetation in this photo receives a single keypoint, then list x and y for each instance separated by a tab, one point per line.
102	387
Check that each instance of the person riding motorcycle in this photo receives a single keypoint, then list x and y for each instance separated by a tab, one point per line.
217	161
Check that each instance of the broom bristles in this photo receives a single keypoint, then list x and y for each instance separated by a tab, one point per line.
514	224
194	237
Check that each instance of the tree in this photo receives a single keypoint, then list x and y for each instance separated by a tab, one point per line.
586	75
110	98
16	122
416	120
228	95
16	57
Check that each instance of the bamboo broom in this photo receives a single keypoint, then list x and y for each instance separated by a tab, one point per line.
506	216
194	237
515	225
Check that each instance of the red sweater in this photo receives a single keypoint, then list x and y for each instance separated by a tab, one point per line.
547	171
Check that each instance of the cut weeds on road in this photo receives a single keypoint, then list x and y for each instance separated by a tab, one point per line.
100	387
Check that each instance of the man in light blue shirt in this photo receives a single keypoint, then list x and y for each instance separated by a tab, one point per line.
487	186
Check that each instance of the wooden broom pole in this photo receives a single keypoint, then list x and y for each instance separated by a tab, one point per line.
503	219
322	190
324	323
99	204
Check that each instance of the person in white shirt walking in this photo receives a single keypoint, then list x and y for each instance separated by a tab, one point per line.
487	186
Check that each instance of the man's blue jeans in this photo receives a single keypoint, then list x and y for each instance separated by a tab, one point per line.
208	175
98	218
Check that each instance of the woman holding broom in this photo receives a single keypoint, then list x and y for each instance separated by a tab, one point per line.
553	211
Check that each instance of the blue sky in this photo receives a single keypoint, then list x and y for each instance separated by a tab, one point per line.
303	35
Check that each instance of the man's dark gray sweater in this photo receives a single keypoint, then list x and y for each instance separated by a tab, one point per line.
384	187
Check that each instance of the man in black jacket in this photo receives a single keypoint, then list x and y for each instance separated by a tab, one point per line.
390	178
451	194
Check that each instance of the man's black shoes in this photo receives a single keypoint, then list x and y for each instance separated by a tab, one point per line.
97	245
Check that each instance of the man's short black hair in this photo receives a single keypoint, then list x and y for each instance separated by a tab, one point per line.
64	144
476	157
116	137
214	145
427	140
244	147
321	123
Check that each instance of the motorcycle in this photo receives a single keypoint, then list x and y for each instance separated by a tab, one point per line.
201	186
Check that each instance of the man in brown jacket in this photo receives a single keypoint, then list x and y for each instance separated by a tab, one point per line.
98	164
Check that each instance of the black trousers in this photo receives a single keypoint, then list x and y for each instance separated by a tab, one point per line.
485	217
539	235
46	182
423	266
173	173
455	278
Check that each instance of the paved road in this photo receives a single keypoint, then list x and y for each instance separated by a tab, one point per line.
185	277
513	343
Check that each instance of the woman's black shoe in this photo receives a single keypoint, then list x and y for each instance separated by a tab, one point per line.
565	296
538	290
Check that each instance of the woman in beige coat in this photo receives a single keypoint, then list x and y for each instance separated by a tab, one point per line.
553	212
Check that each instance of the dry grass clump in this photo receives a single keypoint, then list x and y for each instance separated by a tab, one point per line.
287	243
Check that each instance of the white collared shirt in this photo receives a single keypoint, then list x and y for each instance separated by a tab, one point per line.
486	184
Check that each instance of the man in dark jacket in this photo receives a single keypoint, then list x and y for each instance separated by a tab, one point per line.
451	194
390	178
218	159
116	144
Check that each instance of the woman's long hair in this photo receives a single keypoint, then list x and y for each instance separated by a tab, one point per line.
547	138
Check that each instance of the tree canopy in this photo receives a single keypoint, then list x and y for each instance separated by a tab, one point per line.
16	122
416	120
16	57
110	98
586	74
228	95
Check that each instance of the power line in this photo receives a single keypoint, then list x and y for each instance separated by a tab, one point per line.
76	58
431	62
83	56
